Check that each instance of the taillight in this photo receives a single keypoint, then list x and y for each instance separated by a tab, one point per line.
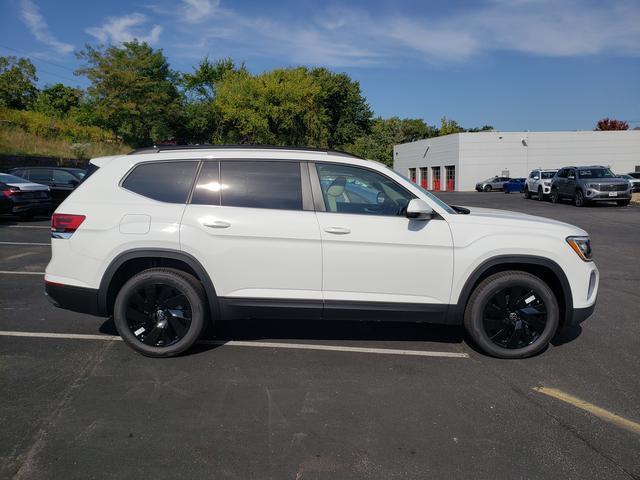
63	225
8	193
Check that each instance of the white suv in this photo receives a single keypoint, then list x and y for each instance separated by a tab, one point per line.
539	183
168	239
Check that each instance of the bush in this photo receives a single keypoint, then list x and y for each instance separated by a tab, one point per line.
50	127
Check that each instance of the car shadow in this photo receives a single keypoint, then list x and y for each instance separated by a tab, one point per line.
317	330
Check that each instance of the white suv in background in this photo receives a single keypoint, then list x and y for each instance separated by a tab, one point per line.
539	183
167	239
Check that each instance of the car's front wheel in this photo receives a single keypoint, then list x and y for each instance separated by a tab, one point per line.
512	314
578	199
487	188
160	312
527	195
540	194
555	195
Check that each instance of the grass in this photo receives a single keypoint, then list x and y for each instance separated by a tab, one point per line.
16	141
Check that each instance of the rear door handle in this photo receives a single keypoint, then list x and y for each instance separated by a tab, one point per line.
217	224
337	230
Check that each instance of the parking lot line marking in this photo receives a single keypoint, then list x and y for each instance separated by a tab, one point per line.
26	243
12	272
599	412
29	226
238	343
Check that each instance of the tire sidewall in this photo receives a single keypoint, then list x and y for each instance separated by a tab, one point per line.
540	194
555	195
483	293
579	199
198	312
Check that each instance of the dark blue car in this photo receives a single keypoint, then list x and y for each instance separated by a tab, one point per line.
514	185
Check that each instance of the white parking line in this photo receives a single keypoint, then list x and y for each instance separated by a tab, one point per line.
11	272
26	243
29	226
234	343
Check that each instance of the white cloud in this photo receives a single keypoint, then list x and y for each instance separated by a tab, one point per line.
36	23
125	29
198	10
345	36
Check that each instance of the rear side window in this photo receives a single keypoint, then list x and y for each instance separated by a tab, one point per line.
165	181
207	191
40	175
261	184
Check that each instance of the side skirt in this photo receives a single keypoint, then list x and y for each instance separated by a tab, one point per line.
243	308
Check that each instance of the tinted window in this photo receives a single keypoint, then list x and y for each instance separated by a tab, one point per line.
40	175
167	181
548	175
18	173
261	184
6	178
207	191
347	189
595	173
60	176
532	174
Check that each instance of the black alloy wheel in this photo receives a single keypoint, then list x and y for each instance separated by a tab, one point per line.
579	199
487	188
555	196
158	315
161	312
527	195
514	317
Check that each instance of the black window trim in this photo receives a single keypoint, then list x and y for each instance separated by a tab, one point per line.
319	198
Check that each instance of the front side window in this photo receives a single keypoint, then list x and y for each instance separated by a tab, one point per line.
60	176
348	189
40	175
163	181
261	184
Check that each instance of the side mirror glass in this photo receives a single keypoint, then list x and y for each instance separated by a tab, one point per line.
418	209
536	178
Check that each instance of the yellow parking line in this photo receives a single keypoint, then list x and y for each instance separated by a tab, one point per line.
599	412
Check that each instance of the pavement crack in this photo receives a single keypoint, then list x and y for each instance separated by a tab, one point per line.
39	440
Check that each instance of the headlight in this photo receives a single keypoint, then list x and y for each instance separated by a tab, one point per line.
582	246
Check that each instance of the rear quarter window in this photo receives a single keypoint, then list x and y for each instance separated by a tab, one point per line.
168	182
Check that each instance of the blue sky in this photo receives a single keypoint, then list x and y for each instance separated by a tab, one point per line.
514	64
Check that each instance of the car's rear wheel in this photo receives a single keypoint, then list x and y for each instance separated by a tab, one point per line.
160	312
487	188
540	194
527	195
512	314
578	199
555	195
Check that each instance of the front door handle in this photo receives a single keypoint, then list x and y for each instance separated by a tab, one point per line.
337	230
217	224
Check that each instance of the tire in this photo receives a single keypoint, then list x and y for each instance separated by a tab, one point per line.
555	195
526	194
578	199
513	331
540	194
487	188
623	203
145	320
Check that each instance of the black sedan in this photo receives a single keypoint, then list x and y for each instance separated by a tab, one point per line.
25	198
60	180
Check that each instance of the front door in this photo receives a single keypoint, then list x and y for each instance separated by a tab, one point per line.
372	255
252	225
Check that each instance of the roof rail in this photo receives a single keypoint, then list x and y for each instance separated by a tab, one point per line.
206	146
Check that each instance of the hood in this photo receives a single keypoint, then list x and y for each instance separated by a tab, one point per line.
29	186
505	218
606	181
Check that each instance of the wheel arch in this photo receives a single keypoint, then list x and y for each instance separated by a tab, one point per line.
547	270
131	262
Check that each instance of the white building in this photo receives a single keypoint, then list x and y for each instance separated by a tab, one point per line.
458	161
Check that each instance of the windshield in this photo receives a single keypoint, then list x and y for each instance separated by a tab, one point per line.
490	179
547	174
628	177
440	203
595	173
6	178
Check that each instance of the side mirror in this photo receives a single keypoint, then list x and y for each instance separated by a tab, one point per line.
536	178
419	210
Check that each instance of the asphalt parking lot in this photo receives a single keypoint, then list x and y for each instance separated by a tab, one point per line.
336	400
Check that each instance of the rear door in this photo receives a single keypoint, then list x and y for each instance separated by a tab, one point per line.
252	225
570	182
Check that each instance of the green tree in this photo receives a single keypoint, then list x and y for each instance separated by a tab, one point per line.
448	127
17	82
387	132
201	119
347	112
484	128
57	100
280	107
133	91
